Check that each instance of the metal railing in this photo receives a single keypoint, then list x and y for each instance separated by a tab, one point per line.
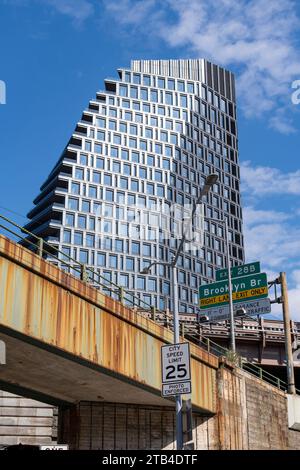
87	274
194	334
239	361
69	264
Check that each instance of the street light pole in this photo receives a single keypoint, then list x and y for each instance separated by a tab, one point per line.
209	182
231	313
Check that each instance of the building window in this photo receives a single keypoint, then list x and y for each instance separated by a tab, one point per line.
150	188
133	92
135	248
90	240
83	159
78	238
86	206
100	122
152	285
140	283
136	78
81	221
154	121
133	129
100	163
151	160
79	173
100	135
132	143
113	261
134	185
83	256
161	82
124	154
107	226
123	90
154	96
130	264
119	245
144	94
101	259
67	236
135	157
123	183
124	280
73	203
75	188
93	192
171	84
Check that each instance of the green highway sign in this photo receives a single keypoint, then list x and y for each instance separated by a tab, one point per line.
243	288
238	271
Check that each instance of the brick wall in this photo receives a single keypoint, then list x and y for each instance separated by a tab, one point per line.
252	414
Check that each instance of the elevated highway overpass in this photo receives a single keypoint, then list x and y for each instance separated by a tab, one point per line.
70	345
67	342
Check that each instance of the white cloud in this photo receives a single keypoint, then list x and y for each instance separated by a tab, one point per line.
77	10
294	295
254	216
271	238
278	250
277	244
254	37
261	180
281	122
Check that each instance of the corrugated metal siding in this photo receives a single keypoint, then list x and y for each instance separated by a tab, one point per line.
191	69
200	70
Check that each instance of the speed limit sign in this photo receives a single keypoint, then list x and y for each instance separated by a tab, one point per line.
176	371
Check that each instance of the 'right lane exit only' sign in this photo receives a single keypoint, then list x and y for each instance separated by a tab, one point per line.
243	288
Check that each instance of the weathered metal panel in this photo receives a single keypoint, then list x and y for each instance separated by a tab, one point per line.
25	421
43	302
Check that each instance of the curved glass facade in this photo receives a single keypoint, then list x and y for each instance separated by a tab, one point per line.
118	196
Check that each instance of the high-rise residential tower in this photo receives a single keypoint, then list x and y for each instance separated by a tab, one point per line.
139	154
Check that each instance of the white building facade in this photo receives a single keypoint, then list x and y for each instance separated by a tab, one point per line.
135	163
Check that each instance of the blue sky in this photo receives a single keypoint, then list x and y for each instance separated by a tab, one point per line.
56	53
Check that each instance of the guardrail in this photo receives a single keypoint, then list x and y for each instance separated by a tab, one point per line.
86	273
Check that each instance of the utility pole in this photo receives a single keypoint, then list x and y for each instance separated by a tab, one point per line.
178	398
287	332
